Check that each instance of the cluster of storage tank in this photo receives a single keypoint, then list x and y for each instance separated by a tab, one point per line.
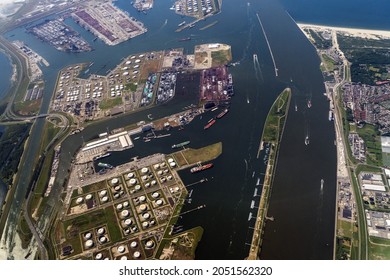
117	188
162	170
81	199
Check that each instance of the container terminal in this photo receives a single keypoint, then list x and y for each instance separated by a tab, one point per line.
59	35
109	23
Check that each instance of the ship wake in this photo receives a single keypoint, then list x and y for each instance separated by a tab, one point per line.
257	67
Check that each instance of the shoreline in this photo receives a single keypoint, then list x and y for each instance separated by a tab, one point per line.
355	32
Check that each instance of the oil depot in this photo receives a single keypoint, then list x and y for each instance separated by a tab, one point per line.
135	198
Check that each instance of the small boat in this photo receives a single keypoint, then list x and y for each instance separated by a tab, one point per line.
184	39
182	23
309	103
307	140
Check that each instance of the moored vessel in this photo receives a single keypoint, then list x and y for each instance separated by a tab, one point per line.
223	113
106	165
102	156
182	144
210	124
201	167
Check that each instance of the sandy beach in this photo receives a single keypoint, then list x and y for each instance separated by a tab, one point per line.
356	32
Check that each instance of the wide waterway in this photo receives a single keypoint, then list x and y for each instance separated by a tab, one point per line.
304	216
6	74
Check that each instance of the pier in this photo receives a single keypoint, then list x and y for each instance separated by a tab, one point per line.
269	46
272	134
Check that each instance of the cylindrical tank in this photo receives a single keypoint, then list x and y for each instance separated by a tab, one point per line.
114	181
125	213
88	243
121	249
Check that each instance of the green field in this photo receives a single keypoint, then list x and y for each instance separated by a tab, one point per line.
192	156
131	86
110	103
345	227
379	248
372	140
221	57
275	119
329	63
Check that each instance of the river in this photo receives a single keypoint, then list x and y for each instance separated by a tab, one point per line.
304	216
6	74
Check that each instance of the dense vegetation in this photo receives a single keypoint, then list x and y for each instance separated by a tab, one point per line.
320	42
11	149
369	59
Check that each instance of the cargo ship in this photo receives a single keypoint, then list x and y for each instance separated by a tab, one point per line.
102	156
223	113
201	167
105	165
182	144
209	124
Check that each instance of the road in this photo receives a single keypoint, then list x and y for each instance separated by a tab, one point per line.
362	223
